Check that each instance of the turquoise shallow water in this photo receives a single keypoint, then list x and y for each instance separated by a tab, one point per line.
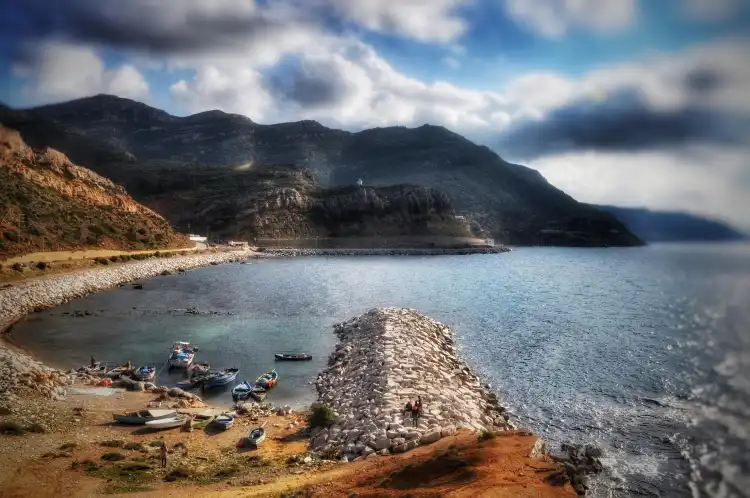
645	351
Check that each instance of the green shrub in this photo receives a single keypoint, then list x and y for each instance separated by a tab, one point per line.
113	443
11	429
102	261
485	436
17	267
157	254
69	446
42	265
321	416
114	259
178	473
113	456
11	236
36	427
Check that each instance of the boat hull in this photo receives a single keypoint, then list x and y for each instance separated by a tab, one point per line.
167	423
283	357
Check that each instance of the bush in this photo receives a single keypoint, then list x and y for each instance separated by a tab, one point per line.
321	416
17	267
36	427
157	254
125	257
113	443
11	429
113	457
69	446
114	259
178	473
485	436
42	265
102	261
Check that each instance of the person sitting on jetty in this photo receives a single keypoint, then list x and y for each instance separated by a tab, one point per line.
416	411
163	454
408	408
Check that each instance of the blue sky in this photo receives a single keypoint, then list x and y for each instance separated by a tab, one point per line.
655	83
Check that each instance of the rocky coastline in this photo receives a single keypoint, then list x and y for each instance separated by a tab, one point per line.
290	252
19	372
386	357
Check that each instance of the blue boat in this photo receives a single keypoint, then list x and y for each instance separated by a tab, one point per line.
222	378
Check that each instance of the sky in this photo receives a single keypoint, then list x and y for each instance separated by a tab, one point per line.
640	103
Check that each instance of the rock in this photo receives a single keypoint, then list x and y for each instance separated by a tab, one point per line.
344	459
307	459
430	437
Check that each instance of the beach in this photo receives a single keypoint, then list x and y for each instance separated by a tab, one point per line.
294	457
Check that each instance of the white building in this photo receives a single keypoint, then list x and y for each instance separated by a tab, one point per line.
197	238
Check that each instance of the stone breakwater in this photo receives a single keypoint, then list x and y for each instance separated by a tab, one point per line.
19	372
384	358
384	251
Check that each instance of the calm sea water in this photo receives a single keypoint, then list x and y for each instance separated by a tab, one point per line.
644	351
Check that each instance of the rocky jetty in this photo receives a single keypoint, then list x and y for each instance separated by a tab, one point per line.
384	358
385	251
19	372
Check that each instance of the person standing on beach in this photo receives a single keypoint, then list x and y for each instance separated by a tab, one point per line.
163	454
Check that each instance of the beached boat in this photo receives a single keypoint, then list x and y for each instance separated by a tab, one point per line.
225	421
268	380
182	355
222	378
292	356
258	393
143	416
201	420
199	368
256	436
186	384
145	373
242	390
168	423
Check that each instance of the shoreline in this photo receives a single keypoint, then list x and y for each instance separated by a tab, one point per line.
457	251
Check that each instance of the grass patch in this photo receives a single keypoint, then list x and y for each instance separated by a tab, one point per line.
11	429
87	465
56	454
36	428
113	443
126	478
178	473
69	446
485	436
5	410
113	457
227	471
257	461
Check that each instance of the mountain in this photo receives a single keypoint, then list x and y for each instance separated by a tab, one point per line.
669	226
48	203
514	204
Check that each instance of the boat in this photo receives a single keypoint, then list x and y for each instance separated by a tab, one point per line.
199	368
145	373
201	420
222	378
268	380
292	356
182	355
185	384
256	436
242	390
168	423
143	416
258	393
225	421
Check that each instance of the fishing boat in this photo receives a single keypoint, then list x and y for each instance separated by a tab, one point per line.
258	393
168	423
268	380
201	420
256	436
145	373
199	368
242	391
186	384
292	356
143	416
182	355
222	378
225	421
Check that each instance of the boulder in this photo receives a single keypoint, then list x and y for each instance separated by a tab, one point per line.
430	437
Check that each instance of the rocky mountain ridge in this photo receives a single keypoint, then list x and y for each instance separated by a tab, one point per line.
514	204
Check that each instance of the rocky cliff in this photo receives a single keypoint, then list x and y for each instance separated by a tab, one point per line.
514	204
49	203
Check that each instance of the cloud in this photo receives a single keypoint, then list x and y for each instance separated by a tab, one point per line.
451	62
422	20
55	71
712	10
554	18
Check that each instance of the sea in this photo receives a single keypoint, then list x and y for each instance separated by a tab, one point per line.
644	352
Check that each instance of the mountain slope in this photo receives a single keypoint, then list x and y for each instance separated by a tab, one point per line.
48	203
670	226
510	202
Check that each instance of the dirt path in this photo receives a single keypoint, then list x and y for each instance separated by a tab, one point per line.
50	257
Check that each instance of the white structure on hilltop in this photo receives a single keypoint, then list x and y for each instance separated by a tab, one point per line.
197	238
359	182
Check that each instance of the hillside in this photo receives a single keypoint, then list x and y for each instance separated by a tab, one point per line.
514	204
670	226
47	204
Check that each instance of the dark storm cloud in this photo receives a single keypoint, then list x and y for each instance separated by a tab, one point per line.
169	26
310	84
624	121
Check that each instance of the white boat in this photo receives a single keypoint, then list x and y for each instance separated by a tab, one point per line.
168	423
256	436
143	416
225	421
182	355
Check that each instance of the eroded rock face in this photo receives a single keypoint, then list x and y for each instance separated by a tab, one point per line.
384	358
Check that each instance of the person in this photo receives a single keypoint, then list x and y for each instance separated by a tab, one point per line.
408	408
415	412
163	454
93	361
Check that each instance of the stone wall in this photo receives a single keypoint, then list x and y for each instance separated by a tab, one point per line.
385	357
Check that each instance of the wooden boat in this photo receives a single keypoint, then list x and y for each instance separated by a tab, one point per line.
182	355
201	420
168	423
199	368
185	384
143	416
242	391
268	380
256	436
292	356
258	393
225	421
145	373
222	378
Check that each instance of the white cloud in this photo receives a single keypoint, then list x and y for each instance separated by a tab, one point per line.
451	62
423	20
712	10
553	18
57	71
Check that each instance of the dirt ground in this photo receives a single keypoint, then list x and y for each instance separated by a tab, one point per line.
67	460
